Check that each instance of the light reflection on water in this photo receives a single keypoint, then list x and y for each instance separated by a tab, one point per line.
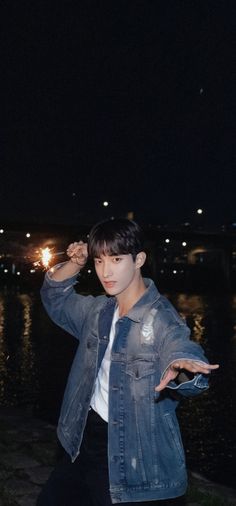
208	421
17	357
35	357
191	308
3	349
27	354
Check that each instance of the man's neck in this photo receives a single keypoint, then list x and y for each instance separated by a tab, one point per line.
129	298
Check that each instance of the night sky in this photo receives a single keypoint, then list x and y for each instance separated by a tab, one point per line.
129	102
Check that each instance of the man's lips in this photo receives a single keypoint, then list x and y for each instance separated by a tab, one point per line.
109	284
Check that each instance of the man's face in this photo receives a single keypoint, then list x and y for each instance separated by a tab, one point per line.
117	274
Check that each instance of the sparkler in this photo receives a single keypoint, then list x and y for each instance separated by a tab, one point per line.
46	257
40	258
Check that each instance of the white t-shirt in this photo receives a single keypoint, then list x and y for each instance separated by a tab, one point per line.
99	401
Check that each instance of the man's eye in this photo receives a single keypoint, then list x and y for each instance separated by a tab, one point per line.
97	261
116	260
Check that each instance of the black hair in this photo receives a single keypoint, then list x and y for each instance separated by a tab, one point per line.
118	236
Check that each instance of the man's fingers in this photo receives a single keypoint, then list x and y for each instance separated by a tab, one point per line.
163	383
170	375
72	248
78	252
77	249
194	366
160	387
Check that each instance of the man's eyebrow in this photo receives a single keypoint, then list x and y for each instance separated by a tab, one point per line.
106	254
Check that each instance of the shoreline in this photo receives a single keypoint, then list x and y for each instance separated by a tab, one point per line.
29	448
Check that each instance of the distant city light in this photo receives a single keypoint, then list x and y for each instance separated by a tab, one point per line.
167	241
184	243
18	273
174	271
27	235
89	271
1	230
130	215
105	203
32	271
199	211
5	270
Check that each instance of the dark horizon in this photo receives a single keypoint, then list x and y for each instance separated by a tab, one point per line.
133	104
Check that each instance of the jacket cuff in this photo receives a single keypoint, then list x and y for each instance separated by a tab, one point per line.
198	382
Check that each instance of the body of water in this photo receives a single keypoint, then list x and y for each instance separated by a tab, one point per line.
35	358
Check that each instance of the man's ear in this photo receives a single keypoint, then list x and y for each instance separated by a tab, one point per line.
140	259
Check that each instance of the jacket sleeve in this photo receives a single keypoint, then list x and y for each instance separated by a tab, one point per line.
177	345
65	307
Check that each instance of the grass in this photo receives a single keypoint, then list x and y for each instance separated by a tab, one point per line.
195	495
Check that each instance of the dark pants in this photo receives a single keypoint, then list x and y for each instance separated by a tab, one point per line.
86	482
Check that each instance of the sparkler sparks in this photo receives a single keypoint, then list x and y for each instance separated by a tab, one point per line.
46	256
39	258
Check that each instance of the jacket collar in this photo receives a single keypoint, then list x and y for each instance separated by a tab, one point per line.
137	312
150	296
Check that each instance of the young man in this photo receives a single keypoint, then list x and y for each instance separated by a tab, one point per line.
118	423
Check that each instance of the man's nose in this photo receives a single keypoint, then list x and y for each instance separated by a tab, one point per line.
107	269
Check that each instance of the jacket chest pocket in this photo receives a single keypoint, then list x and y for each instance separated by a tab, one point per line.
140	368
141	377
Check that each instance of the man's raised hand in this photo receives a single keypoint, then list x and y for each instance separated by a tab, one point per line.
78	253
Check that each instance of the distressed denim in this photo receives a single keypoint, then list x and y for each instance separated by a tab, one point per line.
86	481
145	453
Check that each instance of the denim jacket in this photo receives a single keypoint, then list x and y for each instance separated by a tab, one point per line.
145	452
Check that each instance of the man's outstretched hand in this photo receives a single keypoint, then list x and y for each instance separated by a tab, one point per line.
194	366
